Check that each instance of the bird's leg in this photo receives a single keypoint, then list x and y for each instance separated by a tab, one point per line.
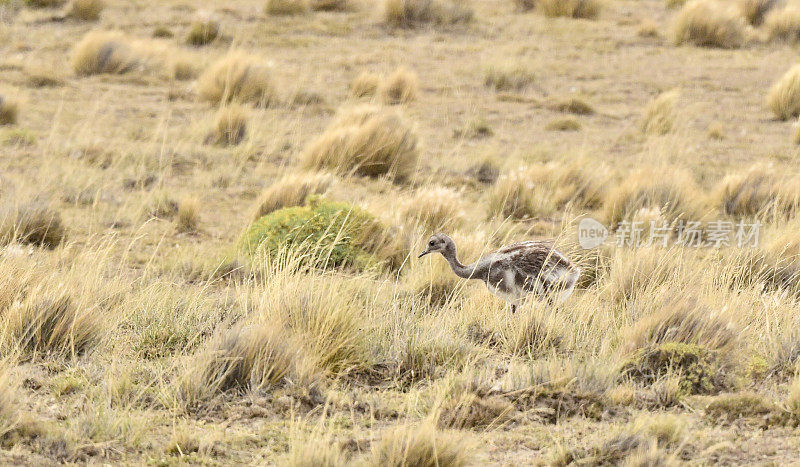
513	308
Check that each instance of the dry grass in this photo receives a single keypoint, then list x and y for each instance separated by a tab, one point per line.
755	10
676	197
648	28
760	191
709	23
422	446
334	5
783	24
86	10
784	96
434	209
367	141
104	52
365	84
187	218
525	5
400	87
660	114
587	9
563	124
230	127
33	223
414	13
508	76
796	132
238	77
202	32
287	7
44	3
292	190
9	111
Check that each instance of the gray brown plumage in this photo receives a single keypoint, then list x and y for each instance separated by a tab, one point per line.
515	271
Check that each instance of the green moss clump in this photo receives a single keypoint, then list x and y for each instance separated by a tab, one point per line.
728	408
323	234
699	368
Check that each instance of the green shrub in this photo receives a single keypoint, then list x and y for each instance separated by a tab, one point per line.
321	234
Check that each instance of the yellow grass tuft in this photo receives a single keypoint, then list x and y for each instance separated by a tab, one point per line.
755	10
783	24
525	5
660	114
709	23
230	127
44	3
49	322
563	124
365	85
287	7
333	5
676	197
512	196
413	13
400	87
238	77
433	209
796	132
647	28
202	32
292	190
104	52
367	141
188	215
508	76
420	446
760	191
86	10
9	111
34	223
588	9
784	96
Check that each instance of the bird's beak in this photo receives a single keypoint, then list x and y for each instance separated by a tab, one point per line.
423	253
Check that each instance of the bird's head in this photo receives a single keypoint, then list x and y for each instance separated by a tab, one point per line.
439	243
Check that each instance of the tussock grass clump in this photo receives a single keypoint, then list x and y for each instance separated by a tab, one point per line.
292	190
86	10
755	10
709	23
367	141
513	196
422	446
202	32
9	407
727	408
574	105
238	77
434	209
230	127
508	77
676	197
631	275
34	224
647	28
400	87
187	218
469	410
414	13
796	132
563	124
365	85
9	111
774	264
660	114
50	323
324	234
287	7
44	3
682	336
533	335
525	5
783	24
587	9
255	356
104	52
784	96
333	5
760	191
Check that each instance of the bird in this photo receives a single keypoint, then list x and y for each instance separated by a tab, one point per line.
514	271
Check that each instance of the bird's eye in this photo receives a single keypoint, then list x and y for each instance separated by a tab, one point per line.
431	243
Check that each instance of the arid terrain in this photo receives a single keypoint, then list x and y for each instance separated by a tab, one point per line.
211	212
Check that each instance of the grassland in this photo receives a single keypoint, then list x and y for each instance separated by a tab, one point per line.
153	155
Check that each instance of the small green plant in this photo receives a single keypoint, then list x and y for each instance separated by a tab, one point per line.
323	234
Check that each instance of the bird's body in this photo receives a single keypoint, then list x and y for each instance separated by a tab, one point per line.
515	271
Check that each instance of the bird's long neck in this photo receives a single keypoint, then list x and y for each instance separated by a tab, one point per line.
465	272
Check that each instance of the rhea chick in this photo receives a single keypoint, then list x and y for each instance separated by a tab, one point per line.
515	271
